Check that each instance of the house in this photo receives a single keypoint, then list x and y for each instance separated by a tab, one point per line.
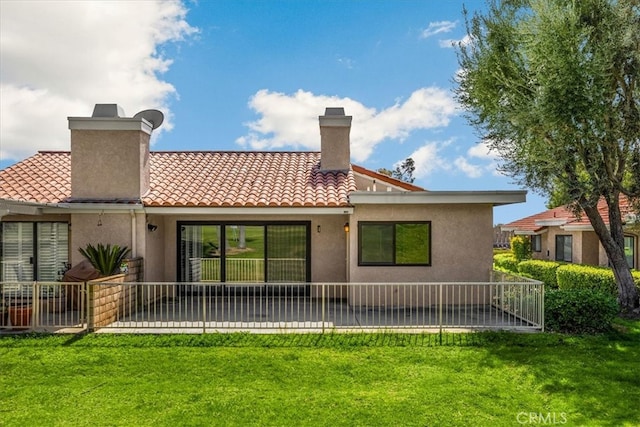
558	234
237	217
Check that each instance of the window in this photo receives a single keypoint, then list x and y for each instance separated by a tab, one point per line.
630	250
33	250
394	243
564	250
536	243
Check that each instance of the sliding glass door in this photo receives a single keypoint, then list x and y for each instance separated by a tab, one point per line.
243	254
34	251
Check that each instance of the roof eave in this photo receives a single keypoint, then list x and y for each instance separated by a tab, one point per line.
249	210
495	198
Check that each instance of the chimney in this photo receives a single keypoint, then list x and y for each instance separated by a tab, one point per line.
334	140
110	154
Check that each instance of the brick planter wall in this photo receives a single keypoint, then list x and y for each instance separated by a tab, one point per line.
110	298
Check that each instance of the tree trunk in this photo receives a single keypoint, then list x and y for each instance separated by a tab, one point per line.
627	292
243	238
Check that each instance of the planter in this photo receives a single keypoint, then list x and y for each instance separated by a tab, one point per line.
20	316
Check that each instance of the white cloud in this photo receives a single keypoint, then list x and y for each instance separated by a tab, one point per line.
59	58
292	120
428	159
484	161
438	27
450	43
482	151
471	170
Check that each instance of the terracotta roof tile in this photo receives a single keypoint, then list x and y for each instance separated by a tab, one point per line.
195	178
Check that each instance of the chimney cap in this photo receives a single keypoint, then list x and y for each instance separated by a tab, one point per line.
108	110
334	111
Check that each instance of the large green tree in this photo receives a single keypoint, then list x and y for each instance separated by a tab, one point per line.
553	87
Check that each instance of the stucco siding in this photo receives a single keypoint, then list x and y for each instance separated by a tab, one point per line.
114	229
461	245
109	164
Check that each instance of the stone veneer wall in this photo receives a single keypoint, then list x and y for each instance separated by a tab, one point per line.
112	301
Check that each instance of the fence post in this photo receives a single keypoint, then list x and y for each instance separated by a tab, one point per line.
90	306
440	310
542	306
35	296
204	309
322	307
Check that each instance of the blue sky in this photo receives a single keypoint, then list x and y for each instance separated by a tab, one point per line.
251	75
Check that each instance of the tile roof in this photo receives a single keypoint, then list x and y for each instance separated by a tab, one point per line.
562	214
42	178
241	179
197	178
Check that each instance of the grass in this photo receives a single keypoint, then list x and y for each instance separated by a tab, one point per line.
334	379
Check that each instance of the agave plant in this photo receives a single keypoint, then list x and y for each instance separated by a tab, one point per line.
105	258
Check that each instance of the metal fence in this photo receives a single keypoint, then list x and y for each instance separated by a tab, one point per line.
511	303
42	306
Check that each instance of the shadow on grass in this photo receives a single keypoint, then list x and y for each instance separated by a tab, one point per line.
587	380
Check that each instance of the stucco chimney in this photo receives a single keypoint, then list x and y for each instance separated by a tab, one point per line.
109	155
334	140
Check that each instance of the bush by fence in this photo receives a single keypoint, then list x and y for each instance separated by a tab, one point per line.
579	310
545	271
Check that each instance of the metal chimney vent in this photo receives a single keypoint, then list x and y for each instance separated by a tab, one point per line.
108	110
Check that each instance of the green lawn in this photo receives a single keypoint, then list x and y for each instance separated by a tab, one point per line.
321	380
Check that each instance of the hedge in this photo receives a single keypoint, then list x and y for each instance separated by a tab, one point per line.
544	271
506	261
579	310
575	276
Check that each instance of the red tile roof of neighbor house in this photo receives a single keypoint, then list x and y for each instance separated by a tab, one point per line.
202	178
536	223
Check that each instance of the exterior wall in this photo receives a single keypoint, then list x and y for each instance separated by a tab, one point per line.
109	164
154	250
365	183
545	248
551	242
461	245
115	230
589	248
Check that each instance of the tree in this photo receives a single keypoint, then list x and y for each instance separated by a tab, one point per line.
553	87
403	172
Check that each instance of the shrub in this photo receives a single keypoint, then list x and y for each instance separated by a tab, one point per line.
105	258
521	247
573	276
579	310
506	262
545	271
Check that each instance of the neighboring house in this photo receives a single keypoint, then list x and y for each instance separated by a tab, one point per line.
558	234
298	217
